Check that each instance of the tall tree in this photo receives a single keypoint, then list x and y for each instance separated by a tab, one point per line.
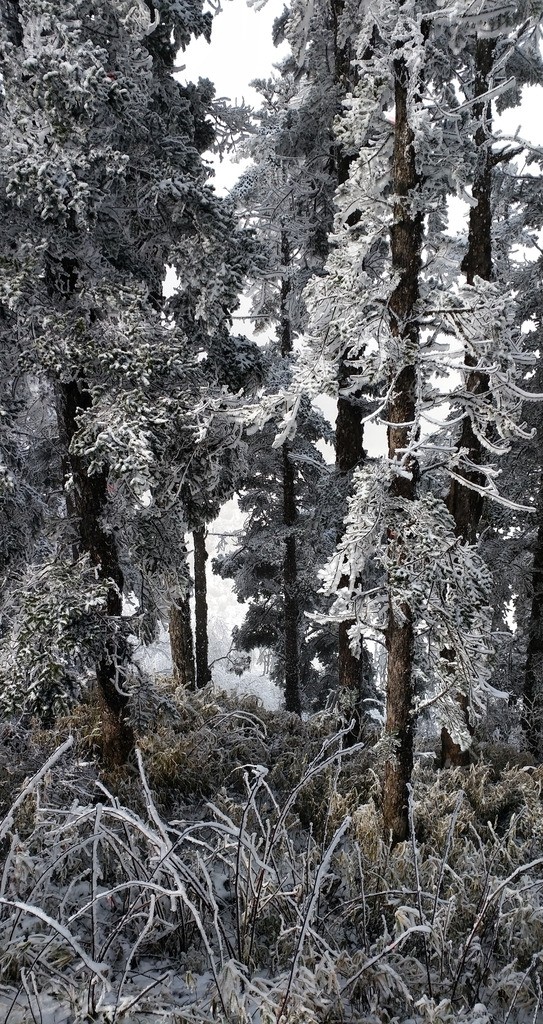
100	206
298	164
401	415
291	605
287	194
464	502
328	56
522	540
425	593
488	56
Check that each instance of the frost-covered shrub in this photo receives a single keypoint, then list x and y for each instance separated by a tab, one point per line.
57	629
243	910
198	741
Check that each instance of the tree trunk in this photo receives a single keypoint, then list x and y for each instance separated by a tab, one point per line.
406	243
532	694
291	609
532	698
290	585
181	643
465	504
399	726
86	506
203	672
353	672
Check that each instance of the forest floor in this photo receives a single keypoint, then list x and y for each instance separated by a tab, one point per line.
236	872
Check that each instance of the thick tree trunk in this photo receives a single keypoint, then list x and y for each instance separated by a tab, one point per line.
399	726
532	696
291	609
353	672
181	642
86	505
465	504
203	672
406	242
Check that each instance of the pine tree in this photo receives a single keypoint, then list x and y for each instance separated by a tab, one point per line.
425	592
287	194
486	53
298	164
326	60
517	545
103	177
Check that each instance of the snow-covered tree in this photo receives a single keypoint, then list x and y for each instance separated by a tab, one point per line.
499	49
256	563
103	178
416	338
516	546
287	193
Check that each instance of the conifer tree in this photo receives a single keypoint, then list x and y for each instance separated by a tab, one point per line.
298	164
488	55
425	592
287	193
518	544
102	174
466	504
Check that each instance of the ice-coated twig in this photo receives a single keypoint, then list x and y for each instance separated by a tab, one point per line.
56	926
319	878
488	901
144	931
448	842
414	929
30	786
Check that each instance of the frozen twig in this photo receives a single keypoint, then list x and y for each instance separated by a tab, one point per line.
31	785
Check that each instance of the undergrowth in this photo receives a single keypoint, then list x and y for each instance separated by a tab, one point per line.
238	874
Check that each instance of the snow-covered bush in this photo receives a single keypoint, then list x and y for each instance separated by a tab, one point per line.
54	631
277	900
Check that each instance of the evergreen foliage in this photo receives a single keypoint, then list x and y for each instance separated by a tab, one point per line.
256	563
393	304
189	856
104	185
287	193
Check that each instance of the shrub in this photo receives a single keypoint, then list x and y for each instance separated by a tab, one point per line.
246	909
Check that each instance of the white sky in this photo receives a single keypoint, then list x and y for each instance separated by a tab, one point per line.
241	50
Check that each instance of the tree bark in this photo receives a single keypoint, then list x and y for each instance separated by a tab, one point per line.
532	698
203	672
465	504
291	609
406	243
181	642
353	672
86	506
